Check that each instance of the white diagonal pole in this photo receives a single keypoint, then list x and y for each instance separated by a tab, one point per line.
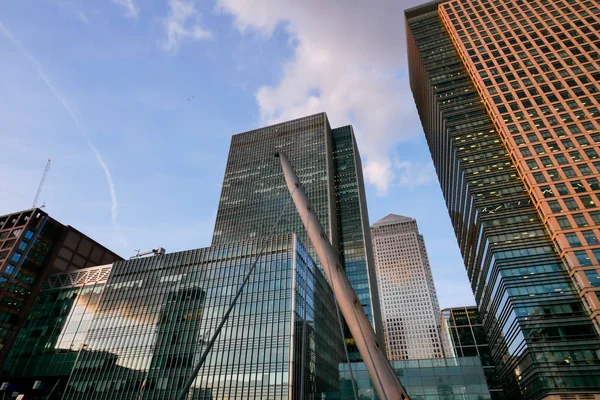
384	379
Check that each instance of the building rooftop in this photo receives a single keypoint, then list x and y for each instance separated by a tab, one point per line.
423	8
392	219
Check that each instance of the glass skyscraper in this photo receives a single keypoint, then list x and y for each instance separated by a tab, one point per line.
328	164
254	191
507	93
157	313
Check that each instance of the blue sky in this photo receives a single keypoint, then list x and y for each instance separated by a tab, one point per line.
135	102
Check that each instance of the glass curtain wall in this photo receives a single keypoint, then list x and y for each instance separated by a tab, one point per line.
281	341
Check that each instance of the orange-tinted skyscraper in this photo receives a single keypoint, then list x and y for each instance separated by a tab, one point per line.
508	93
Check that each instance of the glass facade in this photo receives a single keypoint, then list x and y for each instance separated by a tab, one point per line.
156	315
429	379
464	336
539	330
55	329
328	165
32	244
355	243
254	191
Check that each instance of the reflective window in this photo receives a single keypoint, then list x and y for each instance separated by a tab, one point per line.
594	277
156	315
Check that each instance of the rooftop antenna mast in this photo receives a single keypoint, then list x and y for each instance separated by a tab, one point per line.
39	191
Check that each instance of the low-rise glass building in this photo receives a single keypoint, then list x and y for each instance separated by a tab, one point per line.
428	379
463	335
282	340
53	334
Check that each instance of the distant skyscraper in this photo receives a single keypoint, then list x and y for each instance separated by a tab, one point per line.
409	304
328	164
508	95
32	244
463	335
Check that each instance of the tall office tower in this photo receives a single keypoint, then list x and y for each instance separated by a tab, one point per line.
328	164
156	315
409	305
463	335
32	244
507	93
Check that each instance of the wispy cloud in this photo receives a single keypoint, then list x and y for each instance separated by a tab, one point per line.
413	174
82	16
183	22
131	10
347	61
64	101
73	8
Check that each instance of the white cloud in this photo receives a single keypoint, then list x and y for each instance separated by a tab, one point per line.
183	23
131	10
66	104
379	171
415	174
351	54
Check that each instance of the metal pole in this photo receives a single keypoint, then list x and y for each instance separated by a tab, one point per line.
52	391
384	379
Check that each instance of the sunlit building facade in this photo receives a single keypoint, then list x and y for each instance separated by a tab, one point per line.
53	334
156	315
409	304
255	201
32	245
508	93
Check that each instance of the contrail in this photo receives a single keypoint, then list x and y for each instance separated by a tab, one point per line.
62	99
